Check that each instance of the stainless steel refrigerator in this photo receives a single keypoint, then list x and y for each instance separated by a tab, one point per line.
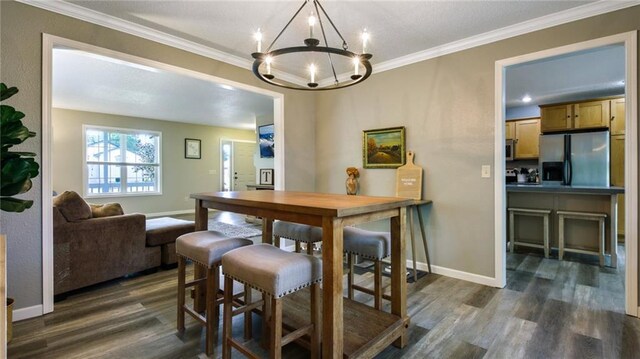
576	159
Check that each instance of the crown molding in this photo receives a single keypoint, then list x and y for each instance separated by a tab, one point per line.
544	22
128	27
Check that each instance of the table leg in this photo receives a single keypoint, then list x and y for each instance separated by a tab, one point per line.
614	230
200	293
413	243
424	238
332	311
267	230
398	270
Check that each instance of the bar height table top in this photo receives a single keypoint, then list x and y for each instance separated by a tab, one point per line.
331	212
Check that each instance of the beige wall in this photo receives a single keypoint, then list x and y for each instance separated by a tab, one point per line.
180	176
21	29
447	106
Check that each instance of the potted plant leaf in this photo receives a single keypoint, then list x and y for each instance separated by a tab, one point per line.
17	170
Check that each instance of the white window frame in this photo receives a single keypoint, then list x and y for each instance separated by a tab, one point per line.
123	183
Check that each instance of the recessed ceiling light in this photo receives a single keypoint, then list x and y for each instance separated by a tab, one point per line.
227	87
526	98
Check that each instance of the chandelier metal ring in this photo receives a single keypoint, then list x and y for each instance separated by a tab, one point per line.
261	57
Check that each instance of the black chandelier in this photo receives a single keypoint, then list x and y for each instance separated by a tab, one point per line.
264	60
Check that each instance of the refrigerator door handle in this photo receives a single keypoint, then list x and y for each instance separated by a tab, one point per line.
569	170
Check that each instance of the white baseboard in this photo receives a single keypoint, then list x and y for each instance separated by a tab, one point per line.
26	313
454	273
171	213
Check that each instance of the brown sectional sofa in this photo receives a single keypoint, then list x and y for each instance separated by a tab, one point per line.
96	243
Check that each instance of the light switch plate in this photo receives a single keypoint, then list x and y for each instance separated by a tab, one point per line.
486	171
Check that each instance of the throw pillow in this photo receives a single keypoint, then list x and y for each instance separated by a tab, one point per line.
72	206
106	210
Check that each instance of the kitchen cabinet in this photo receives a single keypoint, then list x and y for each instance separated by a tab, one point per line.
527	138
510	130
617	116
617	175
582	115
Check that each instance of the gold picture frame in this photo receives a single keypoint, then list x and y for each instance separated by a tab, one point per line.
383	148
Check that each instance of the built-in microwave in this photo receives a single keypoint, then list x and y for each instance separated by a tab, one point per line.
509	150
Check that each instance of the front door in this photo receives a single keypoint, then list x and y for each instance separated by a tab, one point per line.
244	171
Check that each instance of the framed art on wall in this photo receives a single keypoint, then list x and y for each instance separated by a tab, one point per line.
265	137
266	176
192	148
383	148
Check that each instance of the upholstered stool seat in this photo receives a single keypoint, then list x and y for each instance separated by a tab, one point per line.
371	245
275	273
299	233
205	249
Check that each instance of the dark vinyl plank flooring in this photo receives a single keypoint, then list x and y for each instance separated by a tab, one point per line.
549	309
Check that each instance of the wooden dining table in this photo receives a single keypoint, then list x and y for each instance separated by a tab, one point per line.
349	329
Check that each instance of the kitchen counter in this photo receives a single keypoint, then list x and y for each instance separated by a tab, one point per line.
544	188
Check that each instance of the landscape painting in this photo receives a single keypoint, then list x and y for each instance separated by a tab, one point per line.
383	148
265	136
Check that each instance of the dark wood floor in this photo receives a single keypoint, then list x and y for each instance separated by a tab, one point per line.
549	309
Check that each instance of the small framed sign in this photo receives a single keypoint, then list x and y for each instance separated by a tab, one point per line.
192	148
266	176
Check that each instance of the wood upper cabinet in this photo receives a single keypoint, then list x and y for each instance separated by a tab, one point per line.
617	116
510	130
583	115
556	118
594	114
527	138
617	160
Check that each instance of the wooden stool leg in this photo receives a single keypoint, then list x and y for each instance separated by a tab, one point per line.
310	248
211	310
560	237
316	320
276	241
350	258
298	247
181	293
275	352
265	321
248	323
227	320
377	286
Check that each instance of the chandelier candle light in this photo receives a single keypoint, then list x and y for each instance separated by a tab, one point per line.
262	65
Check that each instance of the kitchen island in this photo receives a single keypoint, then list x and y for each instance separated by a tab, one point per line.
556	198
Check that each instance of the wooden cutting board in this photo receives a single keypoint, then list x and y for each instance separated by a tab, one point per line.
409	179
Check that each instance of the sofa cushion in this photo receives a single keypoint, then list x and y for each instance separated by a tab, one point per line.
72	206
106	210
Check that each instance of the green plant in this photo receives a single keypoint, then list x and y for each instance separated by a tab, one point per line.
18	168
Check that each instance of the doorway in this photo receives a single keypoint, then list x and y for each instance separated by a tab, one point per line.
628	42
53	42
237	164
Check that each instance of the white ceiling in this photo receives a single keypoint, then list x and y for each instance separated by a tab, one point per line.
401	32
576	76
95	83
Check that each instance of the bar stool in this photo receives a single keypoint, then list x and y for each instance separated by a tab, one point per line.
371	245
204	248
585	216
544	213
299	233
275	273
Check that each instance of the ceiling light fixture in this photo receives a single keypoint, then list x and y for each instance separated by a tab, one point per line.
264	61
526	98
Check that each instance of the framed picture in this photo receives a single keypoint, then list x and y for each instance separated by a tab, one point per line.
265	137
266	176
192	148
383	148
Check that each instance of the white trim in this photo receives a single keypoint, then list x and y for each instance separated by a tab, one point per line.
26	313
631	174
453	273
46	176
170	213
231	140
112	22
48	43
500	231
629	39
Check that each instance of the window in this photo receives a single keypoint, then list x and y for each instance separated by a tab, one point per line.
120	162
